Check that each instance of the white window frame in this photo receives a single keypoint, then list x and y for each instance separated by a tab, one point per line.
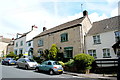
106	53
92	52
96	39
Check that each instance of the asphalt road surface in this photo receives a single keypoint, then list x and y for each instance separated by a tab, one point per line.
13	73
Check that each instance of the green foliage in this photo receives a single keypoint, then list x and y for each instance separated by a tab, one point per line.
20	55
53	52
46	54
83	61
70	63
11	54
62	63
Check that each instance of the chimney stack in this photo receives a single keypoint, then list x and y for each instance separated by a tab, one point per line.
85	13
34	27
44	28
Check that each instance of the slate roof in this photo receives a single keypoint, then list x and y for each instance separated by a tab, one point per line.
62	26
105	25
6	40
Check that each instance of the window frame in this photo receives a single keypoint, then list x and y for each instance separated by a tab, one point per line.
21	43
96	39
117	35
106	51
92	53
64	37
40	43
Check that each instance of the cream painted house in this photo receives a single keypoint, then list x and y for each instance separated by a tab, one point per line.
20	43
69	37
101	38
3	45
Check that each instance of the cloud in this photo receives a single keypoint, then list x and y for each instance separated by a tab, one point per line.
95	17
114	12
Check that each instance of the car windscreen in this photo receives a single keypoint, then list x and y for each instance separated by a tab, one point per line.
30	60
56	63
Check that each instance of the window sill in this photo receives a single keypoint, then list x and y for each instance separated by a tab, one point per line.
107	57
64	41
41	46
96	43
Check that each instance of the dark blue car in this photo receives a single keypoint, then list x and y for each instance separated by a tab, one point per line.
8	61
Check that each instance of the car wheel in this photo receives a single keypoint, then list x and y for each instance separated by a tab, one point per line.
7	63
51	72
17	66
37	69
60	72
26	67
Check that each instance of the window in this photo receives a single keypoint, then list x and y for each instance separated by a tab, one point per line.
64	37
40	51
92	53
96	39
117	35
29	43
16	44
15	52
40	43
106	53
21	43
68	52
20	51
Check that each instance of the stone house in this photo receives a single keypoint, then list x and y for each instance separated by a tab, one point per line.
69	37
3	45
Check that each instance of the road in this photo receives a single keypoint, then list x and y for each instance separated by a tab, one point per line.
14	72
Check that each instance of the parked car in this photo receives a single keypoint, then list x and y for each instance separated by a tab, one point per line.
8	61
26	63
53	67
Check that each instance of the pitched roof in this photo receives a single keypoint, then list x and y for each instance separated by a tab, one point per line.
62	26
105	25
6	40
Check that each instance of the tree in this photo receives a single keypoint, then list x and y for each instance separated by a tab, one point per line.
53	52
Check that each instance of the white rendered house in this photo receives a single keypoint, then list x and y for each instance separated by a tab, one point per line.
21	42
101	37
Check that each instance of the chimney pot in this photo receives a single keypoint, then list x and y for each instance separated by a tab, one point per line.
44	28
85	13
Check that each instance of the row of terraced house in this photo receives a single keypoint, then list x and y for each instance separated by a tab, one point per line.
100	39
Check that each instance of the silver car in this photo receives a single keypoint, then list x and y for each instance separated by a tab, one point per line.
50	66
26	63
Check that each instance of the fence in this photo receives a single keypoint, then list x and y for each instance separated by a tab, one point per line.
106	65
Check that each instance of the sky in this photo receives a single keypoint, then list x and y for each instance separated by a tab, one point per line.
17	16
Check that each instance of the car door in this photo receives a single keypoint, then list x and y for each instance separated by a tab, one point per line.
23	63
43	66
48	66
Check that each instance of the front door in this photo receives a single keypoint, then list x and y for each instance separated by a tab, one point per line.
68	52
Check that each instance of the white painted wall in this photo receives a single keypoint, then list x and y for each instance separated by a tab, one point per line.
107	41
19	47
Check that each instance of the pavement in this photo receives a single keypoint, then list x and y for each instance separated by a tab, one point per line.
93	75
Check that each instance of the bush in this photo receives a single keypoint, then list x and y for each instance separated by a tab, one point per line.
70	63
11	54
62	63
83	61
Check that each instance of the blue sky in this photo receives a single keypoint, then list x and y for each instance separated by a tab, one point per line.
17	16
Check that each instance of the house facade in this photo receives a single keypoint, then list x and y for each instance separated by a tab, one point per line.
20	43
101	38
69	37
3	45
10	47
